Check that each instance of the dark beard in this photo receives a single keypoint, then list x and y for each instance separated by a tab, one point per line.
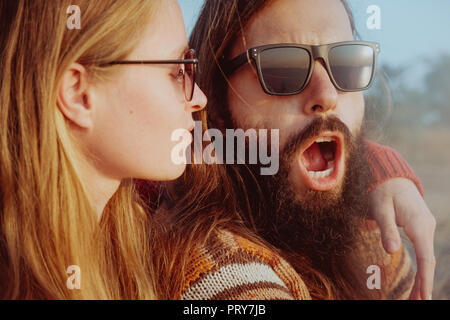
317	225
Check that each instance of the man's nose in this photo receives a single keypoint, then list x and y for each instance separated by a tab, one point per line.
320	94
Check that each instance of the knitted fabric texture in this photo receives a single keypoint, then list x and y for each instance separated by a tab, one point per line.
230	267
386	164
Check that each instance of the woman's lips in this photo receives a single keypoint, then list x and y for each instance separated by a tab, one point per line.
318	171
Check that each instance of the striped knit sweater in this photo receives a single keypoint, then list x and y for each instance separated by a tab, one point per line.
229	267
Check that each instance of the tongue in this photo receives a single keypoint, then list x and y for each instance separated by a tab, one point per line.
313	160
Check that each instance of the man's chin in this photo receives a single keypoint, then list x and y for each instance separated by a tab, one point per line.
322	221
310	197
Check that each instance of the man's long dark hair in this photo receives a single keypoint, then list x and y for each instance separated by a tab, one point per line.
219	25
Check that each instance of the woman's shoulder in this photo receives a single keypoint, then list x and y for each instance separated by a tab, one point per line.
231	267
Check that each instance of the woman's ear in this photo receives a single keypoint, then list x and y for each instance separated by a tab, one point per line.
73	96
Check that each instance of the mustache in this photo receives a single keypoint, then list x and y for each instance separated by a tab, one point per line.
318	125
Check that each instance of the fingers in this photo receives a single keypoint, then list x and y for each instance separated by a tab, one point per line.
415	292
422	289
400	203
414	295
425	272
384	213
420	229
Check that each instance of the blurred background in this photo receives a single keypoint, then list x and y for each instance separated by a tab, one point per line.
408	108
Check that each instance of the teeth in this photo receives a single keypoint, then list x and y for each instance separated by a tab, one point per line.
324	139
321	174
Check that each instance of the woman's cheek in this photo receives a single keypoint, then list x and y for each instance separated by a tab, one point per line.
166	117
156	108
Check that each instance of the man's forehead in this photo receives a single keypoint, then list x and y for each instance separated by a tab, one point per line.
308	22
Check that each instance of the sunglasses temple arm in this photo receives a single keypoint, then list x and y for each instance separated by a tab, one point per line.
231	66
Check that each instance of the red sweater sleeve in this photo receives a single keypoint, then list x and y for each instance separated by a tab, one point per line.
386	164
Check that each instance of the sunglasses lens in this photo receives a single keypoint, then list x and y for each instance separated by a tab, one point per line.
189	71
352	66
284	70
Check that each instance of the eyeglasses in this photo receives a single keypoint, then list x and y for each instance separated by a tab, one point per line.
285	69
188	74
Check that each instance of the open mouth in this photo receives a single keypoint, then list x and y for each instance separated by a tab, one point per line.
321	162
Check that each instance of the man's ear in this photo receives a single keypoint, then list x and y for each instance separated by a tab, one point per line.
73	96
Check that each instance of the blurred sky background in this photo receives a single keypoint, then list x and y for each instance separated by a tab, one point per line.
412	31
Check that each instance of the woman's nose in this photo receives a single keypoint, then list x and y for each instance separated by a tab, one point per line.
198	101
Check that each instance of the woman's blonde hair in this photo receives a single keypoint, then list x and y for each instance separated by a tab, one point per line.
47	222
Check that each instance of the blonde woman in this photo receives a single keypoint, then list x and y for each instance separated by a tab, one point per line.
80	115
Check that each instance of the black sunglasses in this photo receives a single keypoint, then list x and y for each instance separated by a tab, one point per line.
190	67
285	69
